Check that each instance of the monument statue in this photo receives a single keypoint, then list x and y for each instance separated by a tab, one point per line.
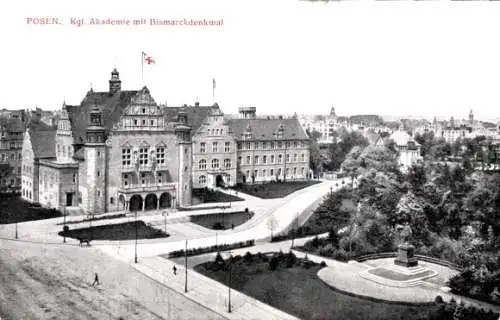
406	251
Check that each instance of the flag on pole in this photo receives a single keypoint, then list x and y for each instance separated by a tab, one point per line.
213	90
148	59
213	82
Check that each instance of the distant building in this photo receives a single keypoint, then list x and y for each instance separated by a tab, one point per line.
408	148
11	140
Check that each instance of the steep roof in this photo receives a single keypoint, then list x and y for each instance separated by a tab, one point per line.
44	143
12	124
195	114
265	129
113	106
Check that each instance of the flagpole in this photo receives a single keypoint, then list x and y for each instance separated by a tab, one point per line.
213	90
142	67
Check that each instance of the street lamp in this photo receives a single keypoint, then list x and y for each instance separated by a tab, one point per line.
64	224
229	284
186	268
16	230
165	214
136	236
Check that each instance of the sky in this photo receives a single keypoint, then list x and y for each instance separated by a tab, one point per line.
406	58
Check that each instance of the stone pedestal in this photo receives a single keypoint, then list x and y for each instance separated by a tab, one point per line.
406	256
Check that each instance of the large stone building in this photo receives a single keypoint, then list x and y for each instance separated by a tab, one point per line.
119	150
11	140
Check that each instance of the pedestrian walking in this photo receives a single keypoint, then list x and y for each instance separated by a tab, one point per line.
175	270
96	280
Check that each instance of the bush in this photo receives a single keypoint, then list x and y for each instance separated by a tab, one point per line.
438	299
291	259
65	229
323	264
273	263
248	258
218	226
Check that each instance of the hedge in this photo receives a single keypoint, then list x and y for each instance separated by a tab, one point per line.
221	247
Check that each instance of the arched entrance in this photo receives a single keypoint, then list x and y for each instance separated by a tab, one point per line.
219	181
165	200
121	202
151	201
135	203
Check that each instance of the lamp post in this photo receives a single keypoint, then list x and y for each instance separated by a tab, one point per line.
16	230
186	267
136	236
165	214
229	282
64	224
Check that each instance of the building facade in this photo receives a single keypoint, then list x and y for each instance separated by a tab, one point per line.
120	150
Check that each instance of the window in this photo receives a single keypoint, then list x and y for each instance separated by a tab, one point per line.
271	172
287	158
256	160
272	145
294	171
160	155
287	144
247	145
264	172
239	146
126	155
228	179
272	159
58	149
248	159
248	173
12	157
280	145
295	144
143	176
264	159
125	180
12	145
214	146
3	156
294	157
227	147
98	173
202	147
143	156
152	122
280	158
112	200
264	145
135	122
143	122
98	193
255	173
217	131
74	177
302	171
256	145
64	151
202	165
227	163
239	160
215	163
287	171
202	179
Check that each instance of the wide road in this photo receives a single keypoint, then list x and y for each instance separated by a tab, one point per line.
54	282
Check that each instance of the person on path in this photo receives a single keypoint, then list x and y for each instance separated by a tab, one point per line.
175	270
96	280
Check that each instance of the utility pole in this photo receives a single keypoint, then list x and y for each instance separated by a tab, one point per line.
229	293
186	267
136	236
64	224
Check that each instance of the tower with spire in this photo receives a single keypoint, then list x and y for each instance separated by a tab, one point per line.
115	84
471	118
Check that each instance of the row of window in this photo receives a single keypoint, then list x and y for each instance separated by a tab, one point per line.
27	194
270	145
144	157
215	147
63	150
215	164
216	132
272	172
11	157
10	182
271	159
203	179
145	179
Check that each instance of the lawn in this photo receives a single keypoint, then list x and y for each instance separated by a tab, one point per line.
222	221
298	290
214	196
274	190
121	231
14	209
